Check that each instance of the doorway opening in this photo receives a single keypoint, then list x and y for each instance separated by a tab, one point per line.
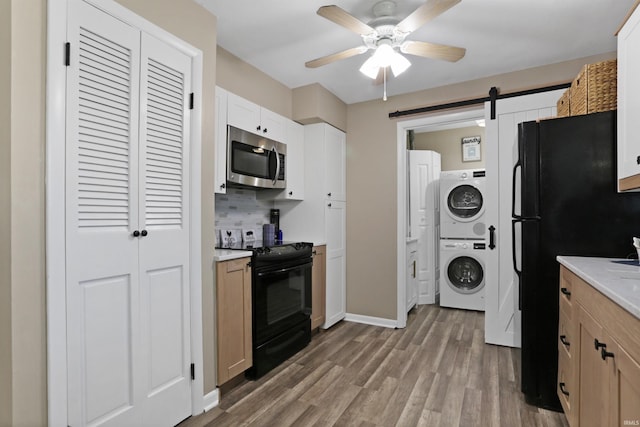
443	124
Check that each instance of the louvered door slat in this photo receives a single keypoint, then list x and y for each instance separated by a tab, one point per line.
104	82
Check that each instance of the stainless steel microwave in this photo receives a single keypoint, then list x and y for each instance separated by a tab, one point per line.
255	161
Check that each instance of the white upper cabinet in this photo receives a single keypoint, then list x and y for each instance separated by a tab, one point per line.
629	104
335	175
294	163
251	117
220	178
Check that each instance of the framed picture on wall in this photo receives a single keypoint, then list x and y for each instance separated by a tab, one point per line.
471	148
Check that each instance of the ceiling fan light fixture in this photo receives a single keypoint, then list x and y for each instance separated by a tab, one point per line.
385	56
370	68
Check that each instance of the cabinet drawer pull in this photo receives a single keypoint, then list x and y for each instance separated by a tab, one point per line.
563	340
565	291
597	344
604	353
565	392
638	160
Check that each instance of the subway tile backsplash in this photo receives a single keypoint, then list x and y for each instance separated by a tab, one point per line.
240	209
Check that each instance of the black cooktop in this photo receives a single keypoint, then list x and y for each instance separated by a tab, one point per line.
258	244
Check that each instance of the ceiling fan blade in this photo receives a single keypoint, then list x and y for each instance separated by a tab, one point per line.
432	50
341	17
318	62
424	14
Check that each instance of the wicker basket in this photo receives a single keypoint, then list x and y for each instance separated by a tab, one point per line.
564	104
595	88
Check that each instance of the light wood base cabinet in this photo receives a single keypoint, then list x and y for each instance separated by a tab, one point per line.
601	375
233	283
318	286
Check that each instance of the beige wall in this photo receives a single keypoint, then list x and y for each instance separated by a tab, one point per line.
372	173
5	214
25	240
193	24
246	81
449	144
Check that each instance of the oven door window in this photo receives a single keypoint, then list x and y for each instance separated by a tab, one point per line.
282	299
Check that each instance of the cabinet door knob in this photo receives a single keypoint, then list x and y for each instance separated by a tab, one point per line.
329	204
265	130
604	354
291	193
259	127
563	340
143	233
565	392
223	186
329	194
136	233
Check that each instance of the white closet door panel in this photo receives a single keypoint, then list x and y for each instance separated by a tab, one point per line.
101	205
165	85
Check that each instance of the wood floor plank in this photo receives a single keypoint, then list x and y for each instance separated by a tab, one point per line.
435	372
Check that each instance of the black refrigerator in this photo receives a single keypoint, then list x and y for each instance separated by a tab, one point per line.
566	182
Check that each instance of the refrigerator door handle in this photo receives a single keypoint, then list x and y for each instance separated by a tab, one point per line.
513	255
513	188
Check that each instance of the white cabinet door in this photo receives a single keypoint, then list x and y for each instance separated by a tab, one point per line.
629	98
335	163
274	126
502	316
243	114
220	177
246	115
336	302
128	318
294	163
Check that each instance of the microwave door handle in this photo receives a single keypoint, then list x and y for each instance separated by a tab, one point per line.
277	173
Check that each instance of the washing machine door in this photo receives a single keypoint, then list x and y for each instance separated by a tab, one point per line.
465	202
465	274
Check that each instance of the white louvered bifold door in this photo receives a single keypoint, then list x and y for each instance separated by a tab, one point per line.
164	251
128	331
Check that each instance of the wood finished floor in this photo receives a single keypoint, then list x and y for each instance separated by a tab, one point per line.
436	372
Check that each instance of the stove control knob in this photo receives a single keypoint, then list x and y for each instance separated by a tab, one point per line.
267	250
298	246
259	250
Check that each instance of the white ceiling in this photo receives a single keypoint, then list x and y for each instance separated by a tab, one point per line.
278	37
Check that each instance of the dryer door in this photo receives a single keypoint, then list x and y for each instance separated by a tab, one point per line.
465	274
465	202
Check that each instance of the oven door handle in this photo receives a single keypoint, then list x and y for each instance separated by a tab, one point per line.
283	270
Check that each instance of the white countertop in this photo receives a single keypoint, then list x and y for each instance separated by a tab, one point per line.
228	254
618	279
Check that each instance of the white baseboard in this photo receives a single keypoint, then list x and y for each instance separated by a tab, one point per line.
368	320
211	400
426	299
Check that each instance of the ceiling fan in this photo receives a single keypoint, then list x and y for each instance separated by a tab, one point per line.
386	36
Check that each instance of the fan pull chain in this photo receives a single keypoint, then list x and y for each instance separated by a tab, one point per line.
384	79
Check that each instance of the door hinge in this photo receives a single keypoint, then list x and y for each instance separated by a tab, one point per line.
193	371
191	101
67	54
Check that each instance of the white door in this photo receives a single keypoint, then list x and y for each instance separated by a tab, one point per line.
424	211
128	331
502	316
336	298
165	82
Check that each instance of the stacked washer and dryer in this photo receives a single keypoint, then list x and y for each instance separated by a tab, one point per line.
462	239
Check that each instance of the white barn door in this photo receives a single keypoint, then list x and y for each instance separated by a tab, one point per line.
127	228
502	316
